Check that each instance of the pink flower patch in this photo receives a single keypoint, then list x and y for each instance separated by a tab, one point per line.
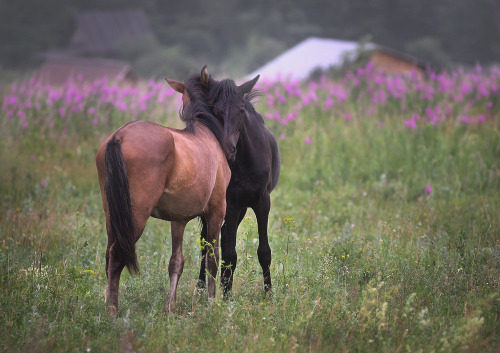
411	124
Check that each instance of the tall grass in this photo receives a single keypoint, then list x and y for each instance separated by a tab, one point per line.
384	226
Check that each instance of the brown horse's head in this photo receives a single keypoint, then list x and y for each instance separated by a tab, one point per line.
220	105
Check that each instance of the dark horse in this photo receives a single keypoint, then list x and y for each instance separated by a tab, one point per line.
254	174
147	170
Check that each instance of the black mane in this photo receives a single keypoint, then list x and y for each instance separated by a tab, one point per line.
204	97
199	109
226	93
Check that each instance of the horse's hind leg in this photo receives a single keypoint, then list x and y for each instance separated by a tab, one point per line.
264	251
114	268
115	265
176	264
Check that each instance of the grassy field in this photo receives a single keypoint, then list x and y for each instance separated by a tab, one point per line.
384	225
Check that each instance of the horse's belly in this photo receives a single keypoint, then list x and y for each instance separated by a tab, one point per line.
183	206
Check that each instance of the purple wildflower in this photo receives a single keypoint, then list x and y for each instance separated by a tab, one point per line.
411	124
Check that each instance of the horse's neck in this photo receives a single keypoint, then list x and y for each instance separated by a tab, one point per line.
253	143
202	129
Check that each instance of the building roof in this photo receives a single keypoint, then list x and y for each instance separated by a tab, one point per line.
100	32
57	70
302	59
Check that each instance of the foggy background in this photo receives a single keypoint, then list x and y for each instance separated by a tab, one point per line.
234	37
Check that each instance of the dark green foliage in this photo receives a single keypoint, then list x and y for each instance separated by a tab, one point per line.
237	37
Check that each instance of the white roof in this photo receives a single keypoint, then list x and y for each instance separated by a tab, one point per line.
301	60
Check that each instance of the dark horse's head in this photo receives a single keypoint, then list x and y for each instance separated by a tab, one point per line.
220	105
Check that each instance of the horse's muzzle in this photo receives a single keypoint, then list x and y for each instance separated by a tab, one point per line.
231	153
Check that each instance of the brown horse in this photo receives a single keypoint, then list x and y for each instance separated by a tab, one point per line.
147	170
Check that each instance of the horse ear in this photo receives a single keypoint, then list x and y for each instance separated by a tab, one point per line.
204	75
176	85
248	86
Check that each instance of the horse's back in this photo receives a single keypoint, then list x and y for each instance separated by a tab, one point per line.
140	138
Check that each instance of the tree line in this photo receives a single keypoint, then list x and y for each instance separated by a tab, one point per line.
235	36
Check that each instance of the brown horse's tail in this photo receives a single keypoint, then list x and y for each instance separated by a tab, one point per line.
119	204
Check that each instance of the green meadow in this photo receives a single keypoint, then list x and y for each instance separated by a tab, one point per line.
384	226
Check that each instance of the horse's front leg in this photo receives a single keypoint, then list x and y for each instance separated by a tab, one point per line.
214	224
234	216
176	264
264	251
203	239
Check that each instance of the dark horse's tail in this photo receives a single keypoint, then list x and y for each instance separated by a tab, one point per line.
119	204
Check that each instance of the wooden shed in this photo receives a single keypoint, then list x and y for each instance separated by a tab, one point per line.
395	62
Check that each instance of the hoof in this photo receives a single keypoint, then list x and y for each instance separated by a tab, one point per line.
112	311
169	308
201	284
268	292
227	296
